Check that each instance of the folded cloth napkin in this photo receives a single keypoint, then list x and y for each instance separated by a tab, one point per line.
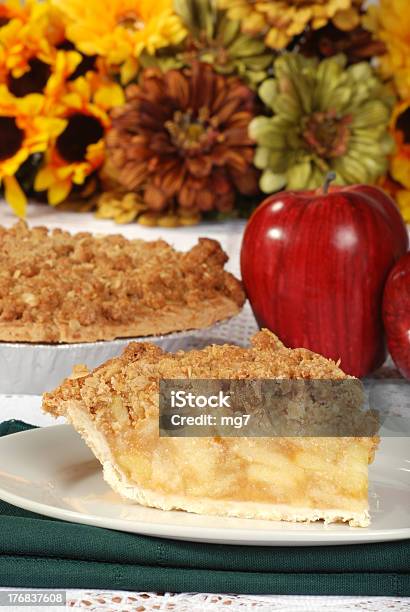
36	551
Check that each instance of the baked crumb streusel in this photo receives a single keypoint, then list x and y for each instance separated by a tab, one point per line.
142	365
58	287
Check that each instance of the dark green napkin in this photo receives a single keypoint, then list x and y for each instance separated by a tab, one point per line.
36	551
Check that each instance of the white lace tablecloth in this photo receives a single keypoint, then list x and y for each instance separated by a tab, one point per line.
27	408
121	601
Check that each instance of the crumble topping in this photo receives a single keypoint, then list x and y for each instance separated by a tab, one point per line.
82	287
134	376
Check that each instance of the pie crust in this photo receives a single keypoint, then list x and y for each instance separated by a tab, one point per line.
115	409
57	287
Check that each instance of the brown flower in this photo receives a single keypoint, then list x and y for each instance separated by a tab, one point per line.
280	20
182	140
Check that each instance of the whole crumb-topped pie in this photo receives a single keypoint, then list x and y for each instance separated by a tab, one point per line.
115	409
58	287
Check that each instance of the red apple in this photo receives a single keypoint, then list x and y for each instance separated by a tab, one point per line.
396	314
390	208
314	266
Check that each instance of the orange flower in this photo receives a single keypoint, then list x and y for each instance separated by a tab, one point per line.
25	130
29	34
398	184
78	150
400	195
400	162
54	100
390	21
120	30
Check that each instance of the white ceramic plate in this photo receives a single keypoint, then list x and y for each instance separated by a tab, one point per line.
52	472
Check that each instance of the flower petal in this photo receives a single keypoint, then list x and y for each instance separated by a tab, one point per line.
58	192
43	180
110	95
15	196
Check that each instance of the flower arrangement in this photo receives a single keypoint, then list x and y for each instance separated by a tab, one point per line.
54	106
170	111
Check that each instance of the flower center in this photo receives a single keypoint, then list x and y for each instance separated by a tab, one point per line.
403	125
131	21
88	62
192	134
11	137
32	81
326	134
81	131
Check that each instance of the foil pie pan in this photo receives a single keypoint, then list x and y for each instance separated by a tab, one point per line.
32	369
27	368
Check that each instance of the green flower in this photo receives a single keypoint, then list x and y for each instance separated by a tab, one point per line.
325	117
215	40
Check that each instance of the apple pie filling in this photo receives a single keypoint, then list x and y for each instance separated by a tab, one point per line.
308	472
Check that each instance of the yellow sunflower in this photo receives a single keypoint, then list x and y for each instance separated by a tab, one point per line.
24	130
403	200
78	150
281	20
121	29
390	22
398	193
35	56
397	183
10	9
400	161
29	34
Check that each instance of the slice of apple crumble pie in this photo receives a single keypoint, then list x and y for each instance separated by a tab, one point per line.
115	409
